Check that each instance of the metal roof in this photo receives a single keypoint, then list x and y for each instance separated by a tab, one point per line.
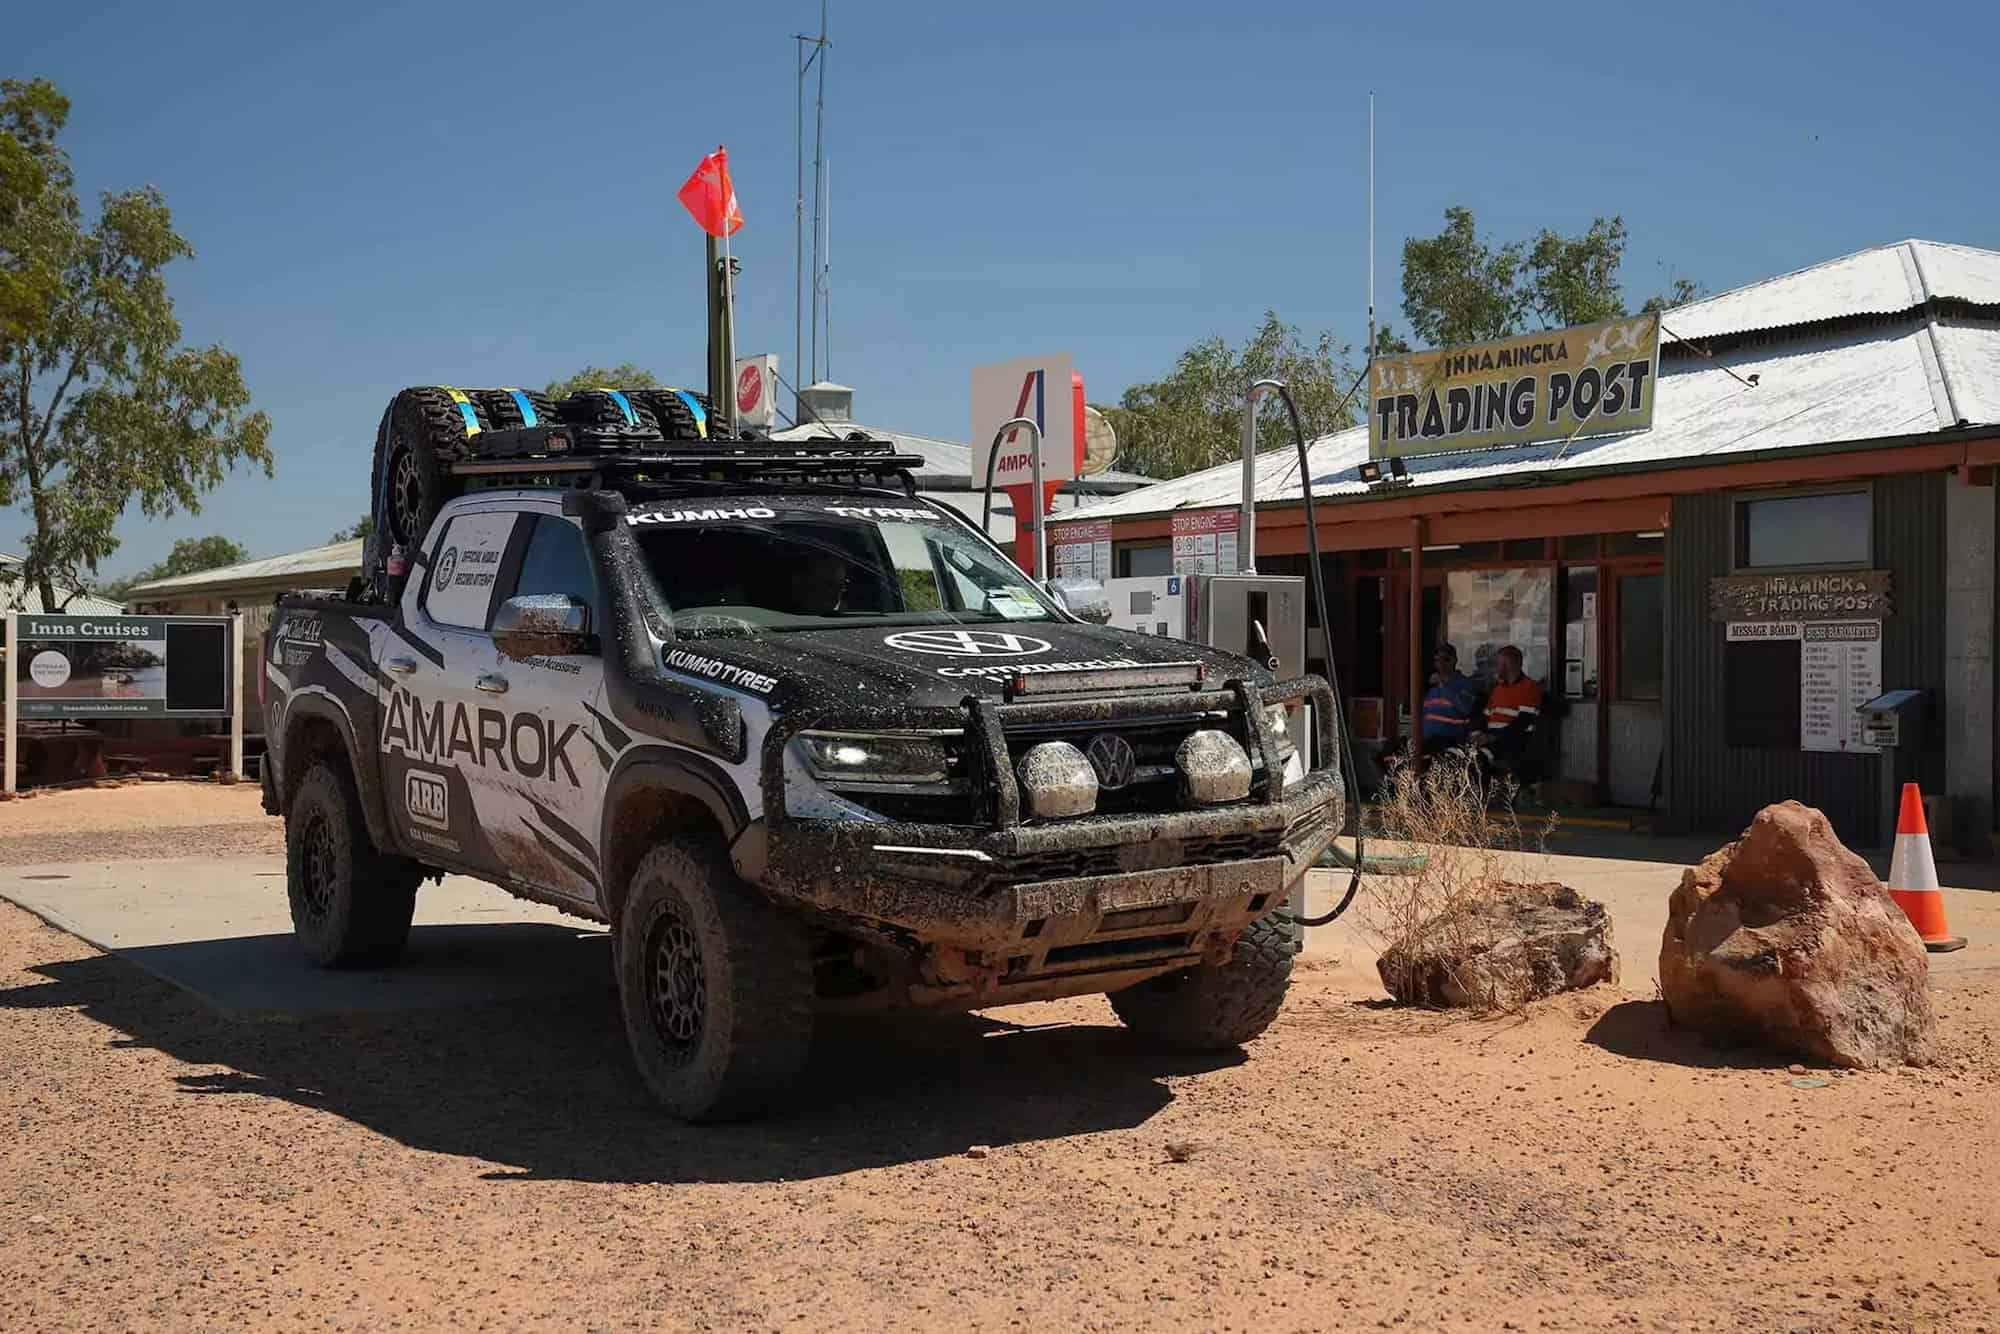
1873	376
1910	378
947	459
18	596
1884	280
334	559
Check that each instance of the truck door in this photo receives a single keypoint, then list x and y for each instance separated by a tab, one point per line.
549	828
444	723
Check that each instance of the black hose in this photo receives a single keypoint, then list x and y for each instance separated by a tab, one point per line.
1344	744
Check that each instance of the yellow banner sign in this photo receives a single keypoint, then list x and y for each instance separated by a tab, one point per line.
1595	379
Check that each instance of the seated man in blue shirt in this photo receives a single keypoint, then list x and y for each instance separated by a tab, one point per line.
1450	705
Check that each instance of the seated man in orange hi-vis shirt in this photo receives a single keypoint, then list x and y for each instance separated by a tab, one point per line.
1513	709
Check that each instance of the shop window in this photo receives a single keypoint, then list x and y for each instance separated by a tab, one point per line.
1524	548
1375	558
1582	546
1641	636
1579	677
1138	560
1824	528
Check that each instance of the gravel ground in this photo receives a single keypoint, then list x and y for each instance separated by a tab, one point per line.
135	820
1576	1167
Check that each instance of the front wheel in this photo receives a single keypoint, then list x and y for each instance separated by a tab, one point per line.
351	905
716	986
1216	1006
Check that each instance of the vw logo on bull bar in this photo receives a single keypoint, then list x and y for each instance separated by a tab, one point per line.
1111	755
968	643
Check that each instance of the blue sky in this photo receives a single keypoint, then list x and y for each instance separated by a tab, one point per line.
483	193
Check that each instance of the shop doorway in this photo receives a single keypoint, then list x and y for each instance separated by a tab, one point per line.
1635	653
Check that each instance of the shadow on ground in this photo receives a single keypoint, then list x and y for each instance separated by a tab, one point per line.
1641	1031
544	1085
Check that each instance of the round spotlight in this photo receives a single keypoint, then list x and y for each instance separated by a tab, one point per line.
1057	781
1213	768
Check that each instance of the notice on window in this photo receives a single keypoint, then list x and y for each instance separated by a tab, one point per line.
1081	552
1485	610
1840	669
1204	541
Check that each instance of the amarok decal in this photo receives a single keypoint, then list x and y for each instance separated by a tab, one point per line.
435	732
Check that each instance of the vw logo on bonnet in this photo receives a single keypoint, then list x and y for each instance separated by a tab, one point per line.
968	643
1111	755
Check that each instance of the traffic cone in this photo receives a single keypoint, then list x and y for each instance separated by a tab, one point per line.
1913	878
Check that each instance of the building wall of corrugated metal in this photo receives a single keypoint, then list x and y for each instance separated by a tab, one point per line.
1715	787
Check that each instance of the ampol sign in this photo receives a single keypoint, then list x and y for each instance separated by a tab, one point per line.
1038	388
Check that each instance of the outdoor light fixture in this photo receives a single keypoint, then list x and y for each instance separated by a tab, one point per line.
1371	471
1399	468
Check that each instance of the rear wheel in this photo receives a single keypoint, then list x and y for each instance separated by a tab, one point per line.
716	986
1212	1007
351	905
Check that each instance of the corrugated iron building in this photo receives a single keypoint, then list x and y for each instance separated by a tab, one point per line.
1842	420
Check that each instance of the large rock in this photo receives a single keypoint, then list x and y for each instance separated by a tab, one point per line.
1786	939
1522	943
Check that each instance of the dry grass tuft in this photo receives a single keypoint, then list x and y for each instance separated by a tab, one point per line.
1457	838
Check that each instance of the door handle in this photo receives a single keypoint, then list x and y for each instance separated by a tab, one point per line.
400	666
492	683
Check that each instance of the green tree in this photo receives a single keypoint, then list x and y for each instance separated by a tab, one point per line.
622	376
1461	288
363	527
35	185
100	405
1681	291
1193	419
191	555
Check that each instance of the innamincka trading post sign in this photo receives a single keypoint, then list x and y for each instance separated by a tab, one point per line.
1594	379
121	666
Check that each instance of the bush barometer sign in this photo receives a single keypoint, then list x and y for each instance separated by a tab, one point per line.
121	666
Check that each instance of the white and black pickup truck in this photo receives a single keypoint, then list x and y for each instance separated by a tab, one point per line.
803	743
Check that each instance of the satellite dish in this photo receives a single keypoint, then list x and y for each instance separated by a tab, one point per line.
1100	442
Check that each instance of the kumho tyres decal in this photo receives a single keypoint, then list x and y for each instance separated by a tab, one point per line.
718	514
722	673
494	741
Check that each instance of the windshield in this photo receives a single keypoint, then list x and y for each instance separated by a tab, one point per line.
748	567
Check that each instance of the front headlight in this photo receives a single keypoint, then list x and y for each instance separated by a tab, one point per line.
1281	723
884	761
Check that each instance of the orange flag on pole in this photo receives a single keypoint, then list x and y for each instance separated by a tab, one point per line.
711	197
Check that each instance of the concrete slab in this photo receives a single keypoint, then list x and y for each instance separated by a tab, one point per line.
1635	889
222	930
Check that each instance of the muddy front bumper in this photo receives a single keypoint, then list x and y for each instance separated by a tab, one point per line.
1028	910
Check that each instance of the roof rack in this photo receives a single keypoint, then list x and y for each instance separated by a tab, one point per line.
539	457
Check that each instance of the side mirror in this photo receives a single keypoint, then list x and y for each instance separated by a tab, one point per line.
1085	600
543	625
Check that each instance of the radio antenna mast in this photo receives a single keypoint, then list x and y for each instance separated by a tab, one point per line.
1371	225
806	64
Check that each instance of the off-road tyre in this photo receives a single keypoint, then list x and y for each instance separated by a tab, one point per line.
504	410
716	985
1211	1007
602	424
423	431
677	420
351	904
